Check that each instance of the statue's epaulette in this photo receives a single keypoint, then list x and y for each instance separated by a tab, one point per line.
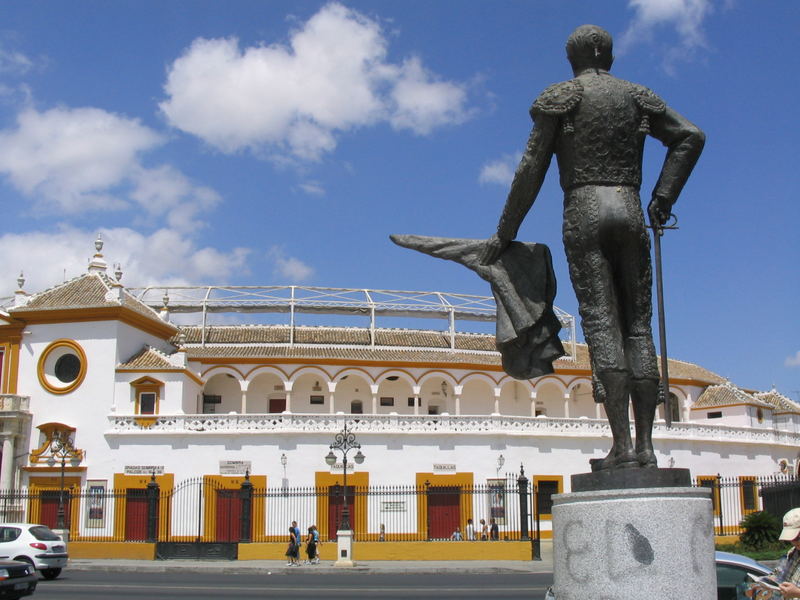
558	99
647	100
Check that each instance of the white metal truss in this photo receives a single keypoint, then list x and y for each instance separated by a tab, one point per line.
332	301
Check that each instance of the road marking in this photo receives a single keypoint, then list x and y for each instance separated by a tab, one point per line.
270	588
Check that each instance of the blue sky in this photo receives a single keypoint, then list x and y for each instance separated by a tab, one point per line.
270	143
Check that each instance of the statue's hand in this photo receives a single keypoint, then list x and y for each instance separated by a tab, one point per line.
659	210
492	249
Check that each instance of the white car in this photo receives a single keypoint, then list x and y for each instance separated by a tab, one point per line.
34	544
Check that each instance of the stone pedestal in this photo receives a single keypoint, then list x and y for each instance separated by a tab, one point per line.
622	544
344	548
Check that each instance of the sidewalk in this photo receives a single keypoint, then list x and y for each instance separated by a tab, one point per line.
269	567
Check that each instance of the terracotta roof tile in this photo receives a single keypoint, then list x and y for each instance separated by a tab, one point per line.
351	343
86	291
148	358
725	395
780	402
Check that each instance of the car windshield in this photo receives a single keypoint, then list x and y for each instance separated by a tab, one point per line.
44	534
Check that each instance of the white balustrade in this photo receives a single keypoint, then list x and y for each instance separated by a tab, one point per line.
415	424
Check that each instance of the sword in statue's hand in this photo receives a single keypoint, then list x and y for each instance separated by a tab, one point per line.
658	225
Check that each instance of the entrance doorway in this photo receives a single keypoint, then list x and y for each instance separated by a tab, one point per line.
229	516
136	515
335	506
49	500
444	512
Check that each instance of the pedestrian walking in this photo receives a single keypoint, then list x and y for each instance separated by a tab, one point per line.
293	549
311	547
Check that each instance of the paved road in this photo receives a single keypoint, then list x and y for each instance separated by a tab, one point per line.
74	585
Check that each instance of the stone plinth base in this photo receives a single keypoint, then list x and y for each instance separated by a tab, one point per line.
635	543
344	548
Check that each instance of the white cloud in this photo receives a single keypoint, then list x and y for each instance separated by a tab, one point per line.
793	361
164	257
312	188
12	61
422	102
500	171
71	160
295	99
289	267
686	16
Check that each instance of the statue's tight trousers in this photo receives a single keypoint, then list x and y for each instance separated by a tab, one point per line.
608	251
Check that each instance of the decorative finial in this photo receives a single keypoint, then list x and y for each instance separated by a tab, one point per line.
118	271
21	279
98	243
165	299
181	339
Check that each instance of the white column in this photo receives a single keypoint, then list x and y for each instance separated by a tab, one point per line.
287	385
457	391
7	464
245	385
496	410
566	404
374	391
533	403
331	395
597	409
416	390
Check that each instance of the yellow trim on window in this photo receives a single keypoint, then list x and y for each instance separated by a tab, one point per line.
559	479
40	370
753	491
715	494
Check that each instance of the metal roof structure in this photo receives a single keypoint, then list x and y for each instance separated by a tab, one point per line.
293	300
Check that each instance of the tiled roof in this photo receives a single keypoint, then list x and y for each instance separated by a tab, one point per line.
780	402
725	395
86	291
391	345
148	358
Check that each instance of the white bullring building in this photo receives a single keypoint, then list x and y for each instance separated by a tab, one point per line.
144	399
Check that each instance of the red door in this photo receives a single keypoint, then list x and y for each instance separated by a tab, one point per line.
444	512
335	505
277	405
229	515
136	515
49	513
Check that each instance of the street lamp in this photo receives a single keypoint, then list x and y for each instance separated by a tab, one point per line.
500	462
344	442
61	447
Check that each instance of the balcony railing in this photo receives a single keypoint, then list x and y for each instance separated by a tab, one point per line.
416	424
13	403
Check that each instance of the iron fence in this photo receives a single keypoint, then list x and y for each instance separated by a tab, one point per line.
207	509
733	498
213	509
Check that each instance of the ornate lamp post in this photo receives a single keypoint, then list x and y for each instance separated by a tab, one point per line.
344	442
62	448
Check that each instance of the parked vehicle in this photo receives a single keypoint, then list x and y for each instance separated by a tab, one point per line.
732	573
34	544
17	579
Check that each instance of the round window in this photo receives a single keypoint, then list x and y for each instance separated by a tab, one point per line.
62	366
67	368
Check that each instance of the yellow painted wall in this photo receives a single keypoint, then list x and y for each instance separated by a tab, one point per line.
129	550
368	551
